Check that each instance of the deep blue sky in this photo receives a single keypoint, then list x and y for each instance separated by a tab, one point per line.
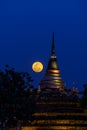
26	28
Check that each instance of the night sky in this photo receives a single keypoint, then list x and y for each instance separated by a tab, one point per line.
26	28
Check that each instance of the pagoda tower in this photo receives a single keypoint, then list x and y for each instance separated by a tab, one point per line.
52	78
55	109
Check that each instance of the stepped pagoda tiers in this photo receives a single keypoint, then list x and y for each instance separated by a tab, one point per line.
52	78
56	107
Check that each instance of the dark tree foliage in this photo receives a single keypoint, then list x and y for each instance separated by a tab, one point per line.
84	97
16	95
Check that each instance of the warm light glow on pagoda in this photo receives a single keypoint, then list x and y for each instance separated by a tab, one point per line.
52	78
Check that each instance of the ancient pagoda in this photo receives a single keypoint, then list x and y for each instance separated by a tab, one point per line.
52	78
57	108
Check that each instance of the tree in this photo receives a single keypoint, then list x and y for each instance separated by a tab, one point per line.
84	97
15	95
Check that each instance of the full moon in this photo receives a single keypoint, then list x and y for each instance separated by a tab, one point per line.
37	66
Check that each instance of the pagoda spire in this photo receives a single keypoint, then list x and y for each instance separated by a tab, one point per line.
52	78
53	47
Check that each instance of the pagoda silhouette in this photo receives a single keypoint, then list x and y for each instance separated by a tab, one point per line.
57	108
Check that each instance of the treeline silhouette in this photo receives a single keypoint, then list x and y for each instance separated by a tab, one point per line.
17	100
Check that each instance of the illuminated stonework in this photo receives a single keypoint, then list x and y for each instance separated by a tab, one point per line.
52	78
55	128
56	108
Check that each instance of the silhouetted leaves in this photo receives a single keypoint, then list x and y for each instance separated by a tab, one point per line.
16	99
84	98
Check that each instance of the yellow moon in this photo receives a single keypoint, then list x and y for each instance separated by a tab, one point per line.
37	66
